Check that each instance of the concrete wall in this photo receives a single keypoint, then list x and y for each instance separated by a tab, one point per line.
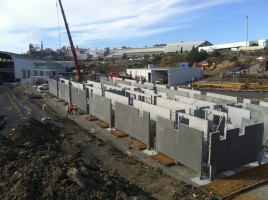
235	150
220	96
142	86
175	105
183	145
171	93
132	122
235	115
116	98
213	99
122	82
189	91
108	83
260	114
94	91
264	104
77	85
79	97
152	109
94	84
64	92
53	87
131	81
195	102
101	108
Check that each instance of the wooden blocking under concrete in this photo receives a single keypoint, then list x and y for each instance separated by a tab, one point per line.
119	134
91	118
164	159
103	124
136	144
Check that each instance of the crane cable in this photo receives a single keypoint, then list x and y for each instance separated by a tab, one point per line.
58	23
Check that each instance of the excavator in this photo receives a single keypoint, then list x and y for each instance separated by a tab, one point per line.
78	71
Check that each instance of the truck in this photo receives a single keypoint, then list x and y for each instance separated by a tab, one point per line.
117	74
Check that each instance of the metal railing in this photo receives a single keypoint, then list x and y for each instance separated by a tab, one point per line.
25	111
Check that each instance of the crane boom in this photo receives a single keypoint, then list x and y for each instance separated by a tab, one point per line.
71	43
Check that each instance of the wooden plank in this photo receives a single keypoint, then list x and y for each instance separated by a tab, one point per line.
164	159
119	134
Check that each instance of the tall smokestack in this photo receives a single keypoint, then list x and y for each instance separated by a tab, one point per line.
42	48
247	31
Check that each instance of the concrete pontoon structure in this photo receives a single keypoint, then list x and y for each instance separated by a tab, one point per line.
209	133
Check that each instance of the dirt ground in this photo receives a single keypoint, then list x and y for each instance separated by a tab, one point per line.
60	160
238	181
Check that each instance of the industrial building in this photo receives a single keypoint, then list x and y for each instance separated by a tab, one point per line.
209	133
250	45
169	75
16	67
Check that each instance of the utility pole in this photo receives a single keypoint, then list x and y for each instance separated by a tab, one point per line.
247	31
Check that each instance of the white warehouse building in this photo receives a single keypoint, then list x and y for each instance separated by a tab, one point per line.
170	75
16	67
255	44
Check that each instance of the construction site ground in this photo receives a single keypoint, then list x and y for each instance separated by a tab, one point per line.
72	162
112	155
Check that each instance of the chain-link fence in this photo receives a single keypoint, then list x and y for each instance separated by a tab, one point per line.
25	111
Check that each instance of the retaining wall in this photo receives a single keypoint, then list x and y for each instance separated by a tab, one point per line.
235	150
79	97
132	121
53	87
183	145
64	92
101	108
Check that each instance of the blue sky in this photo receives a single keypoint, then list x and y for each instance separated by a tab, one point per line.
131	23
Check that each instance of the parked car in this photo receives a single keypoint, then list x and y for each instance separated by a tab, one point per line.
161	81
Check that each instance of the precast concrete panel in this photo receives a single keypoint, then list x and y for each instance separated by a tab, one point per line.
108	83
196	123
53	87
189	91
152	109
122	82
172	93
94	91
131	81
109	87
143	86
235	150
174	105
260	114
105	79
116	98
220	96
213	99
77	85
116	79
101	108
235	115
195	102
79	97
264	104
133	122
94	84
64	92
183	145
246	101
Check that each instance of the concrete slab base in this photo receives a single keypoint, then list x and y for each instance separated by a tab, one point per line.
150	152
200	182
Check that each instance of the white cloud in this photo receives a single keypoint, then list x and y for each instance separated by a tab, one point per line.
30	21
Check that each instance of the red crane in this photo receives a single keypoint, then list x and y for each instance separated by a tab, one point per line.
78	72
